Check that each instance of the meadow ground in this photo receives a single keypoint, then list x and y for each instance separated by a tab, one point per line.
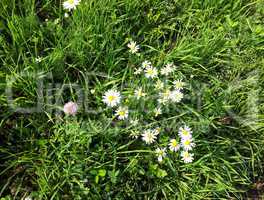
202	86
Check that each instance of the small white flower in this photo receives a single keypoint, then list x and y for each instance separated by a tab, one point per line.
185	133
169	68
146	64
92	91
178	84
71	4
139	93
174	145
133	47
157	111
70	108
112	98
159	85
151	72
138	71
161	153
156	131
164	96
66	15
39	59
165	71
122	113
134	122
172	66
186	156
176	96
149	136
187	144
28	198
134	134
57	21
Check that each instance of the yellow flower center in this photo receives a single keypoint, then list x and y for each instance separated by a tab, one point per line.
187	142
186	154
174	143
184	132
122	113
150	72
166	93
111	98
149	136
71	1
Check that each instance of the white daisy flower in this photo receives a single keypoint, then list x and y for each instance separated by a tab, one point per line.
172	66
139	93
134	134
134	122
157	111
178	84
112	98
176	96
187	157
185	133
169	68
138	71
71	4
38	59
165	71
146	64
151	72
122	113
149	136
164	96
161	153
174	145
133	47
187	144
159	85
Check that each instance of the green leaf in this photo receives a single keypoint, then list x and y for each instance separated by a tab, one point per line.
102	172
113	175
96	179
161	173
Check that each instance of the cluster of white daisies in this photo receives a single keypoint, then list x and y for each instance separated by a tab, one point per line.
186	144
112	98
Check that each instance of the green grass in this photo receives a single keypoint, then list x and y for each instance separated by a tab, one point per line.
218	46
